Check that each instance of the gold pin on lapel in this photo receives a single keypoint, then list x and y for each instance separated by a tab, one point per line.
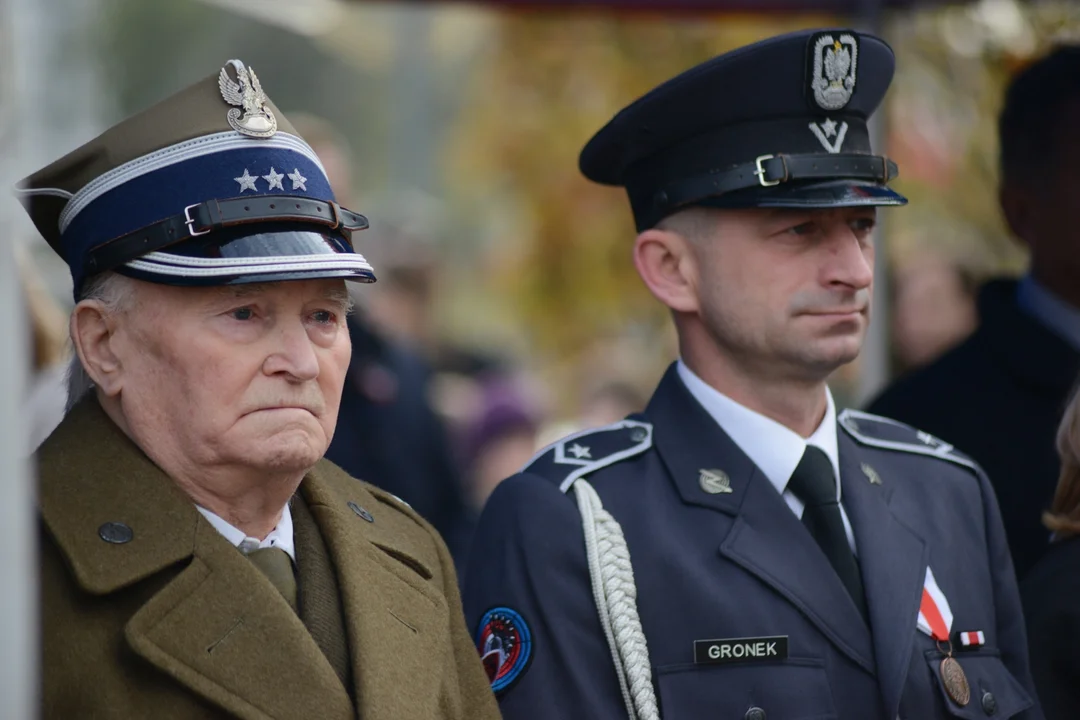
871	474
713	481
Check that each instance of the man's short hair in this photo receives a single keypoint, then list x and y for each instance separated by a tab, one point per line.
1033	115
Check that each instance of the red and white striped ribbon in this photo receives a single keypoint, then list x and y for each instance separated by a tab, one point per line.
973	638
935	615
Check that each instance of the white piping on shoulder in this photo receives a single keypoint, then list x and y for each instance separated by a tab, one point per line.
587	467
943	451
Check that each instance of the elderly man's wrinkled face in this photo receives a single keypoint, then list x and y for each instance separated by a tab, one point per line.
245	375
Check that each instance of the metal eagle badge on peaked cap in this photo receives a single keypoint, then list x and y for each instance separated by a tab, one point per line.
251	116
834	58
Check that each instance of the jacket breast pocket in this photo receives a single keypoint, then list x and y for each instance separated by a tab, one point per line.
794	689
992	689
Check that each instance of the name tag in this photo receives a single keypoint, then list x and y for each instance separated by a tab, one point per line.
718	652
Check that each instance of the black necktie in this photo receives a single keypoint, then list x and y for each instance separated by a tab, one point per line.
813	482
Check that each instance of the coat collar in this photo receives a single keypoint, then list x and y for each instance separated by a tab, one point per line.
91	474
217	626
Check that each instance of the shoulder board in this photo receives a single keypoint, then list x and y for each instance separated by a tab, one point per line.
583	453
881	432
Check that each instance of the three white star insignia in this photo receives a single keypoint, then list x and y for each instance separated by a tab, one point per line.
580	451
274	178
298	180
247	181
828	127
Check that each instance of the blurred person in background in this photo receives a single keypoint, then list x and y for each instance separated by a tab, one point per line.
743	548
500	437
1051	591
199	556
388	432
933	308
998	396
610	402
46	396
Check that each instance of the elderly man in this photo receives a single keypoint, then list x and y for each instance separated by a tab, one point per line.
199	558
743	549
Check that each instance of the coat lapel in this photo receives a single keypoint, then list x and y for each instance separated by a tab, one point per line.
201	612
765	539
223	630
893	560
395	623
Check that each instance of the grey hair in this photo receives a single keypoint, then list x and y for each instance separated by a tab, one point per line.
117	293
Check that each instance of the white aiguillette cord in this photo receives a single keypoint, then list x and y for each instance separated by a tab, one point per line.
616	601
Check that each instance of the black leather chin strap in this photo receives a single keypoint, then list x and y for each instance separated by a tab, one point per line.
206	217
771	170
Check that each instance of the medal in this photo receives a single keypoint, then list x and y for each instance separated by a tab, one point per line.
954	680
935	619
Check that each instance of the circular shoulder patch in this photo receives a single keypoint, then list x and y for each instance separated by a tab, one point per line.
505	644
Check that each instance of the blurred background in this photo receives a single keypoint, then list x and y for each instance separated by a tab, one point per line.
507	311
455	127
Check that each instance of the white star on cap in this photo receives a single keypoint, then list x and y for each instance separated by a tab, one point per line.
298	180
829	127
247	181
274	178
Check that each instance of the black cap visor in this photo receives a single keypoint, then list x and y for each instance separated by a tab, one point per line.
818	195
251	254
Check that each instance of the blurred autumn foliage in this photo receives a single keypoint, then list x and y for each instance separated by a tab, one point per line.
548	82
952	68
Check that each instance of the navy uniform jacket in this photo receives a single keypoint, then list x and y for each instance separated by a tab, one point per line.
742	565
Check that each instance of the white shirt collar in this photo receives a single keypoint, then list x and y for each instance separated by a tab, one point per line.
775	449
280	537
1058	316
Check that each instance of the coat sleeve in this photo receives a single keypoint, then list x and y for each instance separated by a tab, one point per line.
1011	633
528	565
465	675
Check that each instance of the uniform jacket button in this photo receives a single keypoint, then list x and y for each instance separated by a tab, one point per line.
989	703
361	512
755	713
116	533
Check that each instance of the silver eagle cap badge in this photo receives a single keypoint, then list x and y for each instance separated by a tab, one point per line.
251	116
835	61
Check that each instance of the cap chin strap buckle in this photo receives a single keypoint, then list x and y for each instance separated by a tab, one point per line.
771	170
190	222
760	172
206	217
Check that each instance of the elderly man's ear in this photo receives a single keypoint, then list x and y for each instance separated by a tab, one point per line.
666	263
93	332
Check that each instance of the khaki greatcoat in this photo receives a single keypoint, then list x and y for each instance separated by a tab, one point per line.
177	624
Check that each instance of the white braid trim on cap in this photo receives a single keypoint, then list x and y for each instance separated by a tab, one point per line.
616	600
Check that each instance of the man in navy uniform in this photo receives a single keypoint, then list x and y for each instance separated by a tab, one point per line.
743	549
